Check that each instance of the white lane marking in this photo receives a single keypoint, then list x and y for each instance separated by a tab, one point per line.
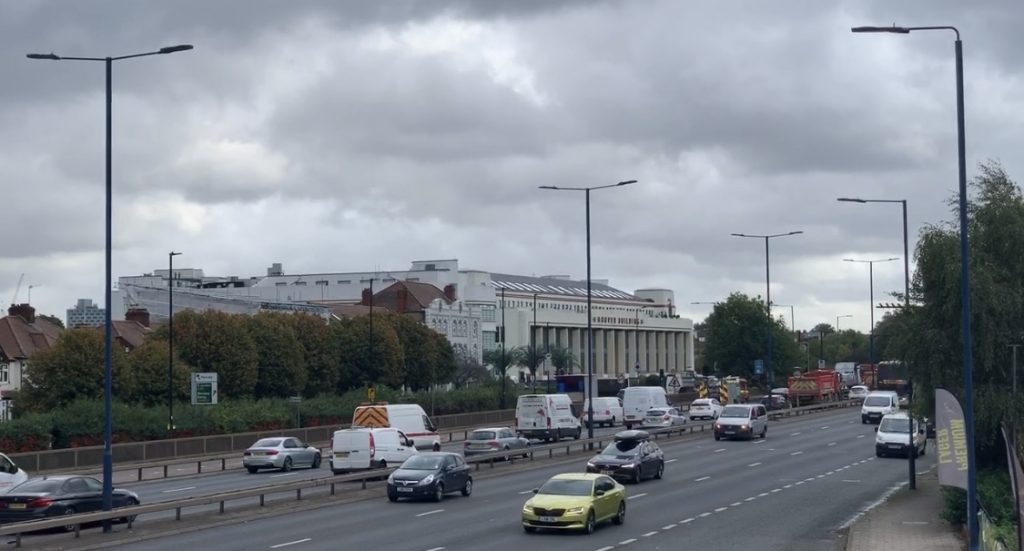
831	443
686	521
798	434
702	479
826	426
762	494
751	498
852	481
654	533
526	492
760	441
796	453
179	490
669	526
702	515
286	544
671	460
178	470
820	476
863	435
284	474
799	482
606	548
720	509
769	449
776	490
737	504
636	496
787	486
915	522
754	464
435	549
720	450
435	511
627	542
810	479
830	473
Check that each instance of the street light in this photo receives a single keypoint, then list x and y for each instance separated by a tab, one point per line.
871	304
108	463
965	275
590	318
841	317
792	316
769	375
170	342
911	457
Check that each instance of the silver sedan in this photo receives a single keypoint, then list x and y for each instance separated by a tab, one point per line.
492	440
663	417
280	453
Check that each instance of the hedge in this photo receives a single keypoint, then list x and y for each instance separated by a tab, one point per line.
81	422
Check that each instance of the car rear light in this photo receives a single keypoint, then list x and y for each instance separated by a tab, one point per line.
272	452
665	418
607	412
373	447
40	503
493	444
549	422
247	453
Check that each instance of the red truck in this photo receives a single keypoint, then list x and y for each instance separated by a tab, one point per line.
819	385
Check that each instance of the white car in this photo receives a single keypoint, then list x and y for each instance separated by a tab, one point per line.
705	408
10	474
893	436
663	417
859	392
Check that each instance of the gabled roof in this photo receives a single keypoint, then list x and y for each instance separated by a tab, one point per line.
19	339
343	311
130	332
556	286
423	293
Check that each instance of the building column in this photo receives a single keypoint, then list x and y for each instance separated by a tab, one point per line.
673	363
599	349
621	361
643	353
688	339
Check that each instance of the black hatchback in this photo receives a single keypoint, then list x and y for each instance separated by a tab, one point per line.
58	495
631	457
430	475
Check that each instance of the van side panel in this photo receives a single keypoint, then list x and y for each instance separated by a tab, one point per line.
351	450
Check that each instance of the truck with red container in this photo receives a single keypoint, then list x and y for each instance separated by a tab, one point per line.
819	385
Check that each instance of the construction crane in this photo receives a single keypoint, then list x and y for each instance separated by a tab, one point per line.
16	289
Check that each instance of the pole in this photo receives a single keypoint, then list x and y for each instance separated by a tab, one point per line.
108	463
912	457
768	301
371	323
533	343
170	343
590	338
871	305
502	366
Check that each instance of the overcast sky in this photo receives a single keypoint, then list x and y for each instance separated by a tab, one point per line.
350	135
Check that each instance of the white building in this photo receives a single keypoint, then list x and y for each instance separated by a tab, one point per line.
86	313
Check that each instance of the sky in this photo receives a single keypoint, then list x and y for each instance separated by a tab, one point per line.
351	136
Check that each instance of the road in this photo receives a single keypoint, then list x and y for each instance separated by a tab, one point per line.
790	491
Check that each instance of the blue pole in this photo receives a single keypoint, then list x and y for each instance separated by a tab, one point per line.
108	466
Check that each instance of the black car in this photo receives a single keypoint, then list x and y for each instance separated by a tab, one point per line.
430	475
631	457
58	495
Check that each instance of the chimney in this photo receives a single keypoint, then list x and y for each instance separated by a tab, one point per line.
449	292
403	300
140	315
367	299
23	311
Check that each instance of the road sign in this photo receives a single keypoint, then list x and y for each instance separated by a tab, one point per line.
821	365
758	367
204	389
673	383
371	393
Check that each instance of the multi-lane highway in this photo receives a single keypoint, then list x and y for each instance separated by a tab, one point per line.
790	491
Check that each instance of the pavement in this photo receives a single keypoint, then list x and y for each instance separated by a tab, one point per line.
907	521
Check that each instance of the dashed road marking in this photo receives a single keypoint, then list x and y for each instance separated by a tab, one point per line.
798	434
637	496
526	492
627	542
760	441
751	498
702	479
754	464
831	443
797	453
686	520
720	509
671	460
702	515
787	486
737	504
606	548
826	426
287	543
179	490
283	474
435	511
762	494
649	534
852	481
720	450
669	526
863	435
435	549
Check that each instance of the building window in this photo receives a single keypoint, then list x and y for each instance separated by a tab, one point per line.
281	284
323	282
5	374
302	283
344	281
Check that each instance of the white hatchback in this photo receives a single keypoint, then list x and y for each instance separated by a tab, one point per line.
705	408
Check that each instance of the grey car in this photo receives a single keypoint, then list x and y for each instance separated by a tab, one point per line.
280	453
492	440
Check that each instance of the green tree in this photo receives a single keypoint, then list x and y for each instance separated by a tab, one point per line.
149	365
563	360
320	351
73	369
532	357
282	362
468	370
497	360
420	349
362	361
216	342
737	334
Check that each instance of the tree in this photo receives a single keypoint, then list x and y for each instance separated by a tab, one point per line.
500	362
149	364
320	351
737	334
563	360
73	369
532	357
468	370
420	349
282	362
362	363
213	341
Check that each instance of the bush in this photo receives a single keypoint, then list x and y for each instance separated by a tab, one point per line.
27	433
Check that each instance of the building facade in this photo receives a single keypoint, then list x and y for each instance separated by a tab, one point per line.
85	313
22	334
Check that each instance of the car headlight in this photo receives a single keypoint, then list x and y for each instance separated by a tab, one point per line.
629	465
574	511
879	441
527	509
429	479
590	464
391	478
718	427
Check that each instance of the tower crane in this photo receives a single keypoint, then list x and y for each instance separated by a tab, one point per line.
16	289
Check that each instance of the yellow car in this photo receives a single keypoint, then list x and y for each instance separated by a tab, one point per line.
575	501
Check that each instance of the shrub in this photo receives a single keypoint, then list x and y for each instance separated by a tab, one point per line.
27	433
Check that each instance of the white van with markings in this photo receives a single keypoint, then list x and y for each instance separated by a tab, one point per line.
638	400
546	416
607	411
10	474
362	449
409	418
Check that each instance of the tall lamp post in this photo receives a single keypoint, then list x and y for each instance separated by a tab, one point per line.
965	275
590	318
769	375
108	464
871	304
792	316
841	317
911	457
170	341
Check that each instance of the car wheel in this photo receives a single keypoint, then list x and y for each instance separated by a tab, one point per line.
392	496
863	421
526	455
620	517
717	438
579	433
439	492
637	475
764	432
661	471
468	488
130	518
507	457
591	524
437	447
337	471
629	426
529	529
252	470
878	453
287	464
316	461
70	527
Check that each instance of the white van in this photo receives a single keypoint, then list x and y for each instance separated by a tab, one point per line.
607	411
546	416
10	474
409	418
636	400
894	436
878	404
361	449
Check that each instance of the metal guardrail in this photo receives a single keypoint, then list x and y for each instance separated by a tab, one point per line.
585	444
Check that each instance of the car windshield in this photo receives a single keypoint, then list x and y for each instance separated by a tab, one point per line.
656	412
623	447
563	487
859	389
877	401
483	435
736	411
39	486
891	424
700	403
423	463
267	443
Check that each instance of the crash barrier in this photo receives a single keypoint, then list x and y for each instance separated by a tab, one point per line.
214	445
221	499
